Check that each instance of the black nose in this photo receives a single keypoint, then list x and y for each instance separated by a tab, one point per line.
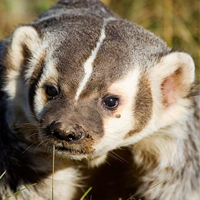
57	130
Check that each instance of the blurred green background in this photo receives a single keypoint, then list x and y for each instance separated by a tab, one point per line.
176	21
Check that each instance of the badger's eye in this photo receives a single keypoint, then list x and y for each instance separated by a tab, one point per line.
111	102
51	91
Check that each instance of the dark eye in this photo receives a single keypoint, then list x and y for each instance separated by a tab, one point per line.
111	102
51	91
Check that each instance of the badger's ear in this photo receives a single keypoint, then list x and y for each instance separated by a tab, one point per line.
25	41
172	77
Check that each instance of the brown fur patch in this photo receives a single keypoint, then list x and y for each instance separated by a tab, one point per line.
143	105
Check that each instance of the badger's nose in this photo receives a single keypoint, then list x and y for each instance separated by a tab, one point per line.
57	130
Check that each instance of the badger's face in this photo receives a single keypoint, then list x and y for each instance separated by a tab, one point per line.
86	86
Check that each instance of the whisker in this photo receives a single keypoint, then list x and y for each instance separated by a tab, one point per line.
115	157
29	147
46	140
107	162
119	157
154	186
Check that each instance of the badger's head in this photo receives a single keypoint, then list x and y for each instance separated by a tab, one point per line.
90	85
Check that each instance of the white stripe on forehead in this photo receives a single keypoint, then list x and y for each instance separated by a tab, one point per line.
88	65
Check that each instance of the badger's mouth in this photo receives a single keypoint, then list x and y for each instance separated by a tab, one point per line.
82	147
70	150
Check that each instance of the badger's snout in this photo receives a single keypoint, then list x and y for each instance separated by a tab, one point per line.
73	130
58	130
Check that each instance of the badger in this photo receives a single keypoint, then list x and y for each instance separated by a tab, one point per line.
84	81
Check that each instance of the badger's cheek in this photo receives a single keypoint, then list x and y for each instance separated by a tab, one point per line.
115	128
121	122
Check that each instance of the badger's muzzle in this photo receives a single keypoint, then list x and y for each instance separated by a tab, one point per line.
72	130
58	130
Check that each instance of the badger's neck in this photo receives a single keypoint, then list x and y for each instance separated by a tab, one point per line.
161	149
170	162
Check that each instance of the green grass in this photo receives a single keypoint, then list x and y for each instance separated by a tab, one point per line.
86	193
17	191
20	191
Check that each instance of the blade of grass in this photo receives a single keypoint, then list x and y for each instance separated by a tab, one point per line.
86	193
20	191
2	175
53	169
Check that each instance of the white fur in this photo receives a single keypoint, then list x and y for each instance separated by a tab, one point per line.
170	63
65	182
97	161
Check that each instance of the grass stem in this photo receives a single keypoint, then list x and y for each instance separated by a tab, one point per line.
86	193
20	191
2	175
53	170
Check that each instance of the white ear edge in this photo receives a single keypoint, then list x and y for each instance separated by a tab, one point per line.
172	62
23	35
